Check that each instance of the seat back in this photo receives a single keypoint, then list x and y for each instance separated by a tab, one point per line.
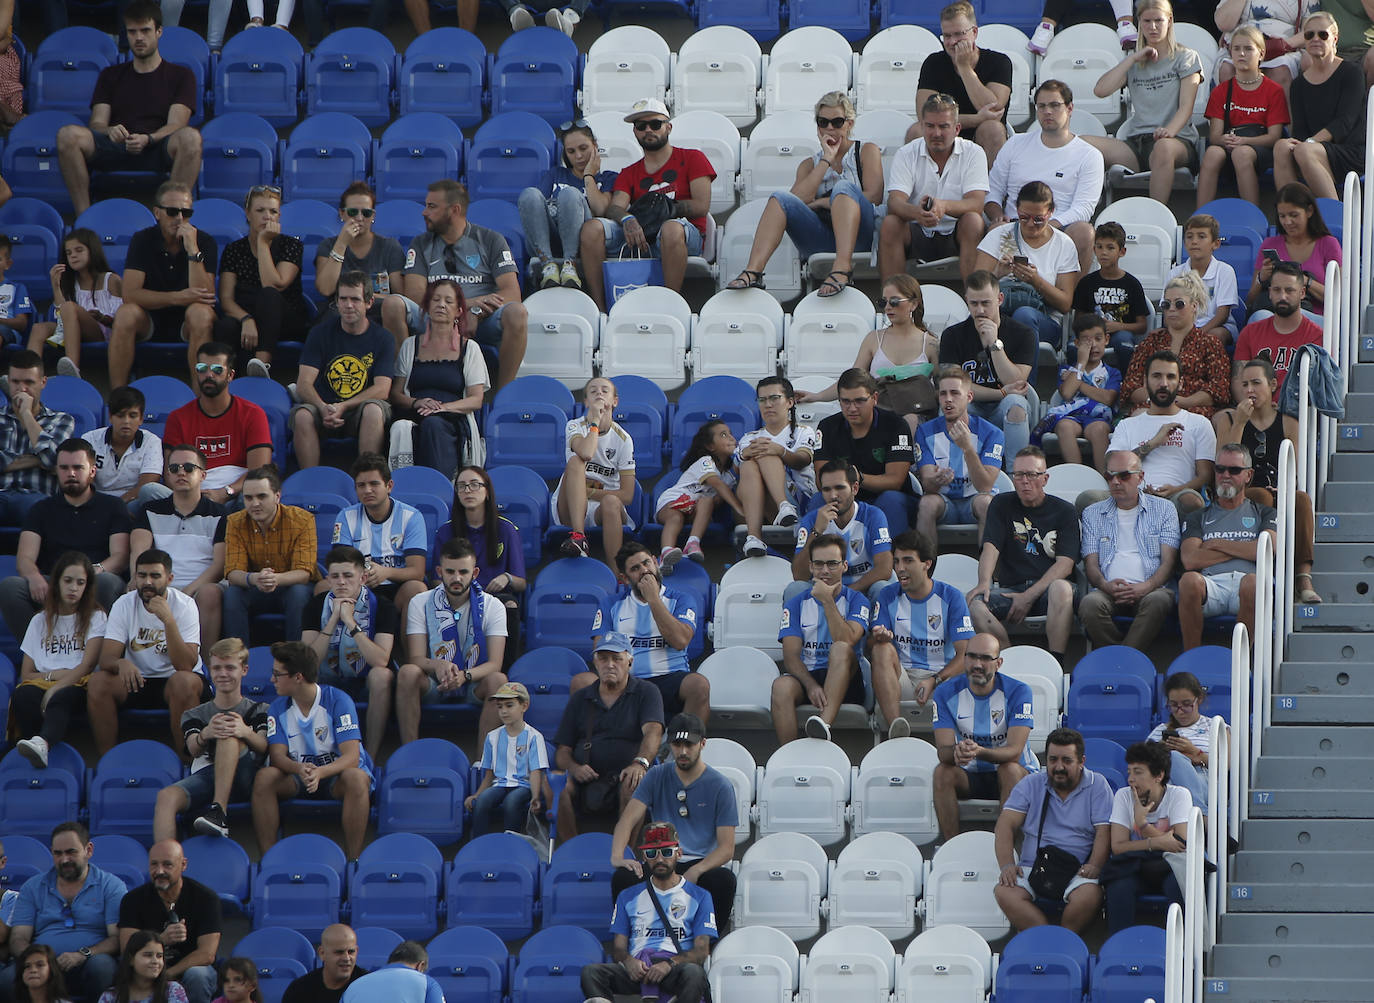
951	957
716	136
1039	670
757	963
1108	759
238	151
741	679
1130	966
577	884
889	67
352	70
35	231
782	879
736	763
124	787
738	333
445	71
718	69
551	963
885	127
413	151
1068	480
1045	978
563	328
300	883
375	944
894	790
1210	663
523	498
630	59
323	156
778	144
615	140
32	801
1038	942
826	329
1100	706
124	857
876	883
281	954
260	72
422	791
65	67
760	18
1011	41
30	156
116	221
852	963
782	272
647	332
1079	55
510	152
805	789
469	963
26	856
536	71
223	866
804	64
187	48
959	886
396	884
943	307
1240	246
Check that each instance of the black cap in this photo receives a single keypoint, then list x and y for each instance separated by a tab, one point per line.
686	728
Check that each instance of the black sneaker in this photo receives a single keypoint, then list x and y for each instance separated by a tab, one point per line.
213	822
575	546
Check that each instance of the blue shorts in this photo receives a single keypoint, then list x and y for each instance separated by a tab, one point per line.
200	786
488	333
415	317
615	237
958	511
467	693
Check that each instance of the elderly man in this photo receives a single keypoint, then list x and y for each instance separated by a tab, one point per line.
1130	545
338	969
185	915
978	79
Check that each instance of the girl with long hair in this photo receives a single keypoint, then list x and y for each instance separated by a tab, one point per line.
37	976
708	477
142	975
85	295
240	982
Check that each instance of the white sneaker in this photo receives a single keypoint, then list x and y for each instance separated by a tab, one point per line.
1126	34
66	367
1040	41
256	367
520	19
668	557
35	750
565	20
817	728
899	727
549	275
754	547
568	276
787	515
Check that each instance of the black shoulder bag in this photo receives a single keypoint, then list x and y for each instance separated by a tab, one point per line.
1054	867
601	796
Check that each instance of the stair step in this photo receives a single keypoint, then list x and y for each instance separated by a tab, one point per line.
1344	525
1319	708
1278	896
1307	802
1313	773
1321	962
1324	678
1310	867
1357	616
1298	928
1308	834
1318	742
1345	496
1353	647
1344	587
1350	466
1359	407
1265	989
1361	379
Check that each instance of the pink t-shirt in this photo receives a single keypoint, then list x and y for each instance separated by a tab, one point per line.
1326	249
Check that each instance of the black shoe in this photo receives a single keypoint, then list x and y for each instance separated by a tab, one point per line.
213	822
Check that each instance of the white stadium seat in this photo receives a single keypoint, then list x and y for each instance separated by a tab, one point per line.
826	332
959	570
813	412
781	883
1136	214
769	158
805	789
855	964
754	964
876	882
943	307
1081	123
1068	480
719	69
959	883
738	333
749	605
717	137
627	60
646	334
887	128
782	273
741	681
1078	55
892	790
804	64
890	66
734	762
563	326
1011	42
1039	670
952	964
615	140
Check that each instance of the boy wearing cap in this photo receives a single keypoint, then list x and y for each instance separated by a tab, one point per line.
514	764
662	931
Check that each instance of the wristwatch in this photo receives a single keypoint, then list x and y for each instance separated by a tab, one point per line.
467	675
198	257
85	952
997	346
355	631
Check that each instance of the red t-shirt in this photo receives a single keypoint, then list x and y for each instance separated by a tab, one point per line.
224	440
1264	106
674	178
1261	341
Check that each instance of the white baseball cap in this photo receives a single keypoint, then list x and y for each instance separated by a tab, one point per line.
647	106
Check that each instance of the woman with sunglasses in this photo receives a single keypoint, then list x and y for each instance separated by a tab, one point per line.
576	191
357	247
1304	239
1204	370
1326	140
1187	734
830	206
260	296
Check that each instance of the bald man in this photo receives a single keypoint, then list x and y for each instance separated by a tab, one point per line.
184	913
338	969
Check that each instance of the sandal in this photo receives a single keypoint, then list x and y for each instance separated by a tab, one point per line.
747	279
835	287
1307	595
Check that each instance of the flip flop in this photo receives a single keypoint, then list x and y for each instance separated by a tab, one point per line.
754	280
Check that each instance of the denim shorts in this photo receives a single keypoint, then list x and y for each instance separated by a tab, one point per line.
200	786
615	237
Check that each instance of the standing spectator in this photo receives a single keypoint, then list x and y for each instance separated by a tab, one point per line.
1201	241
127	458
344	378
139	115
1113	293
30	433
598	482
269	559
338	968
961	454
357	248
1149	820
515	766
577	191
403	980
86	294
868	542
182	914
1069	807
1088	391
1187	734
389	533
978	79
1303	239
1277	336
1245	118
774	463
1203	369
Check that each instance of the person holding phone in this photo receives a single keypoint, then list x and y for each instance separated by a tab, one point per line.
1187	734
1303	237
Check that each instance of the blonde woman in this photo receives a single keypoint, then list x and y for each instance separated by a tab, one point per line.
830	206
1204	371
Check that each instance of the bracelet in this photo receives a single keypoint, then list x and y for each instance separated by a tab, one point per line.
628	215
336	256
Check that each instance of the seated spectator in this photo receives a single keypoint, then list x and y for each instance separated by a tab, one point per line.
61	648
707	479
16	308
339	968
269	558
921	629
648	952
217	20
314	750
1077	804
74	910
38	977
515	766
670	232
183	917
1279	47
389	533
403	979
1029	551
440	379
1326	140
1187	734
231	432
1162	77
961	454
76	518
774	463
660	623
11	81
260	286
863	527
938	185
1056	10
1130	547
606	740
1354	23
227	740
127	458
1113	293
478	263
1088	391
1304	240
455	644
983	720
357	248
1220	542
418	13
829	207
30	434
822	627
85	296
978	79
1201	239
169	283
578	190
344	379
240	977
1149	822
1277	334
564	19
1245	118
598	482
352	632
139	115
1203	368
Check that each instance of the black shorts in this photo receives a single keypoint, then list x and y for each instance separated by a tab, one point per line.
854	692
111	156
669	686
983	785
931	247
1142	143
999	601
153	694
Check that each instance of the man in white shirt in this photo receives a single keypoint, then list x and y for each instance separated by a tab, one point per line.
1073	169
936	190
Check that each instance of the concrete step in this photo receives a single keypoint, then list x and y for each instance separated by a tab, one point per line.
1324	678
1267	989
1359	407
1319	742
1298	928
1350	557
1278	896
1322	708
1361	380
1314	774
1350	647
1343	587
1305	801
1339	616
1365	344
1350	525
1350	466
1305	867
1345	496
1321	962
1307	834
1355	437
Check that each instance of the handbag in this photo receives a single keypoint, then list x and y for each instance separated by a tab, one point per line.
623	274
601	796
915	394
1054	868
651	210
1251	130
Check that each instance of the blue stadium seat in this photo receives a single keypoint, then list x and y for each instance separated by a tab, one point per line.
444	71
222	219
257	685
324	155
275	402
282	955
523	498
1107	758
25	858
470	964
536	71
352	70
164	395
223	866
849	17
238	151
564	601
509	153
547	673
1333	214
422	480
1049	965
260	72
400	219
1211	663
1240	246
504	218
35	231
527	433
32	801
311	221
330	479
64	392
537	388
413	151
1112	695
726	397
1232	212
116	220
635	510
1130	966
124	787
30	157
187	48
422	791
577	884
1012	12
125	858
396	884
760	18
375	944
550	964
325	506
638	396
433	508
299	884
64	69
493	883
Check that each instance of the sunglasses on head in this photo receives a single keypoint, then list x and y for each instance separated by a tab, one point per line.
577	123
646	124
211	367
1233	471
176	210
355	212
655	851
264	190
834	123
1321	33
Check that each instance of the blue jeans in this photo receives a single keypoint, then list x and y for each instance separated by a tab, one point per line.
1016	433
512	804
568	211
1185	774
1045	327
813	235
199	981
242	603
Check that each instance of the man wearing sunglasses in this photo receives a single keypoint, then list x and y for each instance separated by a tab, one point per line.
357	247
682	175
169	283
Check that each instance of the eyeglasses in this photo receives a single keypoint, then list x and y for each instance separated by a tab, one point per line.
834	123
652	852
264	190
1037	220
211	367
1028	475
355	212
1172	304
1321	33
68	920
1233	471
855	401
175	210
183	468
772	399
1182	704
648	124
974	656
466	486
1048	105
1121	475
954	36
280	675
892	301
827	565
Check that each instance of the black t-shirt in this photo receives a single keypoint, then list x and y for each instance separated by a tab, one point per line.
164	272
939	75
1029	540
387	620
310	987
618	730
62	526
961	346
196	906
888	441
347	364
141	102
1122	300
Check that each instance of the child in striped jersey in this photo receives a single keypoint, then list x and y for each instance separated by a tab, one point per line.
515	763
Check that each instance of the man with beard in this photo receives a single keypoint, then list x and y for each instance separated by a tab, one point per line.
338	969
184	913
863	526
960	456
1177	448
30	433
233	433
269	558
455	642
1278	337
74	909
661	944
982	722
77	518
704	801
150	655
1219	547
1064	806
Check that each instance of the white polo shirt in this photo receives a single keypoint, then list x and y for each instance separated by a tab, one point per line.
915	174
116	475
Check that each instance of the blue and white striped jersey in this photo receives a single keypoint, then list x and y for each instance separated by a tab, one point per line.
924	631
986	719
